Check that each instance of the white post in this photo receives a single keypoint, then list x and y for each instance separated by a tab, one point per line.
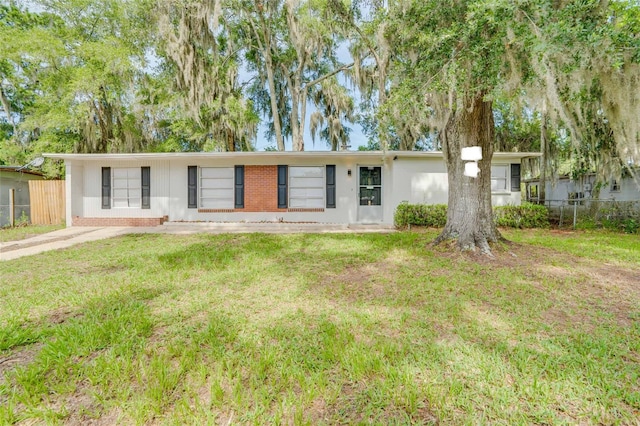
68	193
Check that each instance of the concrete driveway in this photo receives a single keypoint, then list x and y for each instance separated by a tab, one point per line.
68	237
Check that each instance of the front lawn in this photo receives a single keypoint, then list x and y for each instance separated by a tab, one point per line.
323	329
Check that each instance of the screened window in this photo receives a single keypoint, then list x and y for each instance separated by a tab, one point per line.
126	187
306	187
615	186
499	176
216	188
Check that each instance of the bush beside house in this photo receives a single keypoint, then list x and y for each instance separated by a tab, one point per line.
430	215
435	215
526	215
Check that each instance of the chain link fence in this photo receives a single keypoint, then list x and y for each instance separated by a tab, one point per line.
589	213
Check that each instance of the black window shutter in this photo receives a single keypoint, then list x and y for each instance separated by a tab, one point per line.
239	187
331	186
282	187
146	187
106	187
515	178
192	187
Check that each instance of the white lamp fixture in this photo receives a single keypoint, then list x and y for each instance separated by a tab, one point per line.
471	155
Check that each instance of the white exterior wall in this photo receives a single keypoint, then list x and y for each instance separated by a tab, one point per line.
559	191
74	187
419	181
425	181
92	181
629	191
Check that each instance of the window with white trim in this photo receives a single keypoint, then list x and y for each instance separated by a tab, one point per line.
216	188
499	178
306	187
126	187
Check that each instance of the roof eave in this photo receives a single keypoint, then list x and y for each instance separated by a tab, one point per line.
272	154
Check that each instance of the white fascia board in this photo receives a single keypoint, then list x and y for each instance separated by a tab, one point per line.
216	155
273	156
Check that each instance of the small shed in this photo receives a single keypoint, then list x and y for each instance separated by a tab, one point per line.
16	179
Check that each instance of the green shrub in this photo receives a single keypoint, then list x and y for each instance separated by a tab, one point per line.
626	225
586	224
435	215
432	215
526	215
631	226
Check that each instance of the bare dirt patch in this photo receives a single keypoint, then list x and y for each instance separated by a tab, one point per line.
582	283
361	283
60	316
19	357
504	255
586	283
84	410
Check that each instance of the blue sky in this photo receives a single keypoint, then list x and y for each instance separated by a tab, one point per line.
356	136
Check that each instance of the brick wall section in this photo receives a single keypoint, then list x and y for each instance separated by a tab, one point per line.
118	221
261	189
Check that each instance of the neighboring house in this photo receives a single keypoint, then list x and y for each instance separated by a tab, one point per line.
322	187
16	178
625	189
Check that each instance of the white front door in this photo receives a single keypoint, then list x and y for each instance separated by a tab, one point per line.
369	194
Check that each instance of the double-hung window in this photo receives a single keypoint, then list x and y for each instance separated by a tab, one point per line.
307	187
216	189
499	175
126	187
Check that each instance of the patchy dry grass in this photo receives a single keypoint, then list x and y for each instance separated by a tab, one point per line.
323	329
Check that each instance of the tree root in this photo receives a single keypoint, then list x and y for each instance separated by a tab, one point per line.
475	242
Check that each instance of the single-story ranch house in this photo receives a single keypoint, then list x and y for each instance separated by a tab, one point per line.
323	187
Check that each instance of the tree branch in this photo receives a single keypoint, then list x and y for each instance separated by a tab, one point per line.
331	74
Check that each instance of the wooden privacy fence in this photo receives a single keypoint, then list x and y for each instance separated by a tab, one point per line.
47	202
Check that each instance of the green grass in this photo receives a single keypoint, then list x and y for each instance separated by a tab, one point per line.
22	232
323	329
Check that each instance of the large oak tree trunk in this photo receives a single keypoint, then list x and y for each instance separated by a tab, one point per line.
469	213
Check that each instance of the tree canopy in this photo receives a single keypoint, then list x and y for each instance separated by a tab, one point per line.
133	75
183	75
